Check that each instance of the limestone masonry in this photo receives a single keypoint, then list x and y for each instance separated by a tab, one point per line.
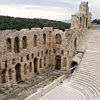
27	52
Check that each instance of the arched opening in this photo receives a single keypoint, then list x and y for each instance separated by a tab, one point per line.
8	43
35	65
75	43
18	72
86	22
80	21
30	68
3	77
44	61
58	39
46	51
16	45
44	38
73	64
35	40
58	62
10	74
24	42
25	69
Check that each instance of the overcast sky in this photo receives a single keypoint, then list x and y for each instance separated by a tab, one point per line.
49	9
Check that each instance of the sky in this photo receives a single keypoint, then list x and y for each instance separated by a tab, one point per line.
47	9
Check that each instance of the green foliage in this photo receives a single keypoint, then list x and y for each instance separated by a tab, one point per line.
7	22
96	21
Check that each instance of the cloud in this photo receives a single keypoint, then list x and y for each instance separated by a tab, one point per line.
49	9
33	11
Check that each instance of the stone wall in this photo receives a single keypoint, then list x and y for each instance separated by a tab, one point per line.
83	18
27	52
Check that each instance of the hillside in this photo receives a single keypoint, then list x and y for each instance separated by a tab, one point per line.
96	21
7	22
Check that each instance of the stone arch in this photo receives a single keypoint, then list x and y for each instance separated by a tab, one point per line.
18	72
16	45
8	44
58	39
35	65
46	51
45	61
24	42
30	67
35	40
44	38
3	76
86	22
73	64
25	68
58	62
10	74
75	43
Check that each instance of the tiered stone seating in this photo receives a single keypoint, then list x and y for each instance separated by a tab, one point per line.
63	92
86	78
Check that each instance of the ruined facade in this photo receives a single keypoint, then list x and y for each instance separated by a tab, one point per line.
83	18
27	52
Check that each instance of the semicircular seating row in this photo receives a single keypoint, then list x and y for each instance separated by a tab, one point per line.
87	77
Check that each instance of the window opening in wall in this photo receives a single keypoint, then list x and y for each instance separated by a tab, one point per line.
24	42
44	61
75	43
80	21
6	64
73	64
58	39
21	59
46	51
25	69
86	22
44	38
28	57
3	77
35	65
16	45
18	73
30	67
58	62
8	43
